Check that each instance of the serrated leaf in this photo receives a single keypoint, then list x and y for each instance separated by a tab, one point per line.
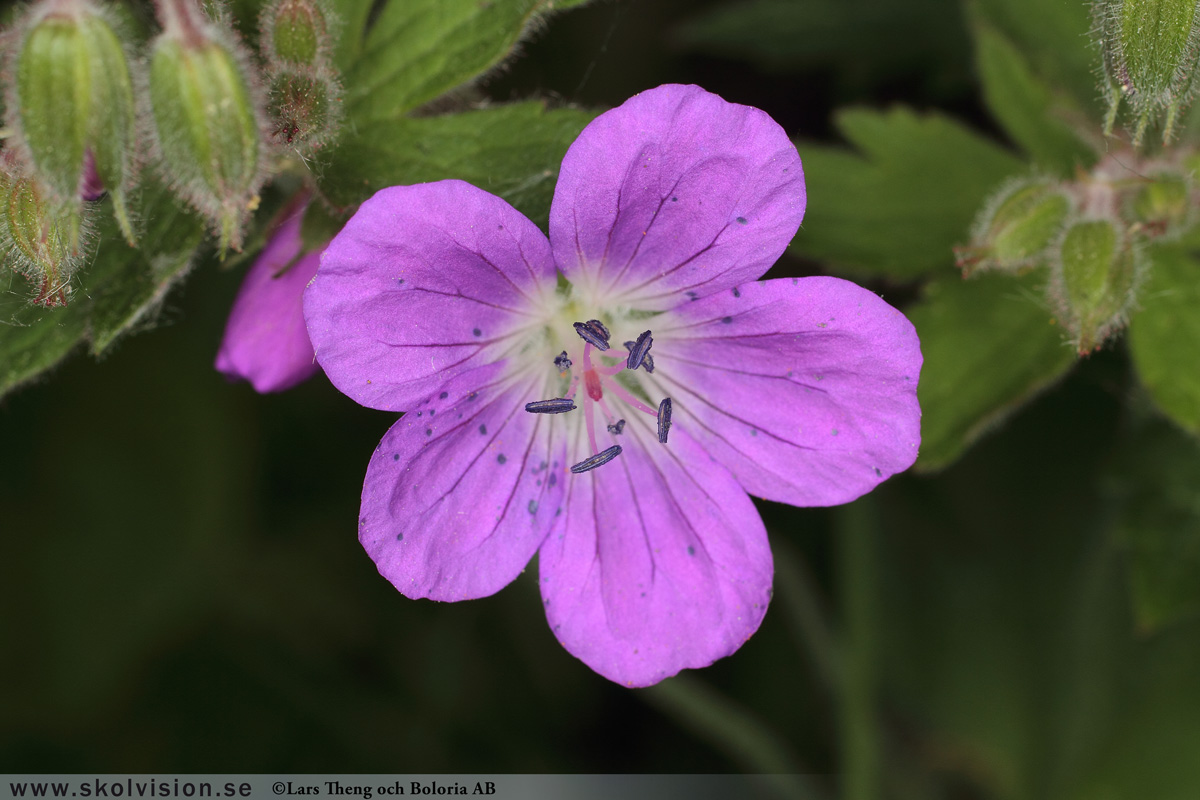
1164	335
1158	523
512	151
989	347
420	49
1056	37
869	39
900	207
116	291
1026	106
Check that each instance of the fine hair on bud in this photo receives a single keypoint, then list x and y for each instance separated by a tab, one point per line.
297	38
1017	226
1149	53
1097	269
206	107
40	238
298	33
70	102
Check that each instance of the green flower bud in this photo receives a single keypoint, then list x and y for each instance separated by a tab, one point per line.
1094	280
1163	206
40	238
306	108
1150	51
72	101
1016	227
207	118
295	32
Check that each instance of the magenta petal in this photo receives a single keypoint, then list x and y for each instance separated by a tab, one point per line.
676	190
660	564
805	388
422	284
265	340
462	490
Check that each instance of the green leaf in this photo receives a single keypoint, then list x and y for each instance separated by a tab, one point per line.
989	347
1164	336
899	208
1056	38
1158	523
352	28
119	289
512	151
1029	111
420	49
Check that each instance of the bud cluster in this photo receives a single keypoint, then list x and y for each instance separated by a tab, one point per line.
1150	50
1089	234
305	94
86	105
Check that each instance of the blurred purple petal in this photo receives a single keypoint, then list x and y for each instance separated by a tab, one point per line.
266	341
462	490
676	190
421	284
661	564
805	388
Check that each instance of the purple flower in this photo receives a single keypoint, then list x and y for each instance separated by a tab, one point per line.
524	434
265	340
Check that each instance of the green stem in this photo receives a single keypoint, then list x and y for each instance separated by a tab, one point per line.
800	599
859	731
734	730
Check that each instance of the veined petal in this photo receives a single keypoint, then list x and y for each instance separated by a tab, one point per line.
661	562
462	490
423	282
675	190
805	388
265	340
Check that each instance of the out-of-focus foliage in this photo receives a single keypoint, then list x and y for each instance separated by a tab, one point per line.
898	209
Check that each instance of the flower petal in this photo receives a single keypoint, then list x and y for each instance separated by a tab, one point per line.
805	388
423	282
661	564
265	339
462	491
676	190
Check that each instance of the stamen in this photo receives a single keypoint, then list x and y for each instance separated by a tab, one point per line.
664	419
617	427
598	326
559	405
598	460
638	350
562	362
597	337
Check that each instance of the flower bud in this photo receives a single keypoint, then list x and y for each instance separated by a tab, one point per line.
207	118
1149	50
1094	280
41	238
266	341
1015	229
295	32
73	102
1163	206
305	106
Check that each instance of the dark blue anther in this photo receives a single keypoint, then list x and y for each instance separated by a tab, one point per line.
562	362
617	427
596	337
599	328
648	363
558	405
638	350
664	419
598	460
